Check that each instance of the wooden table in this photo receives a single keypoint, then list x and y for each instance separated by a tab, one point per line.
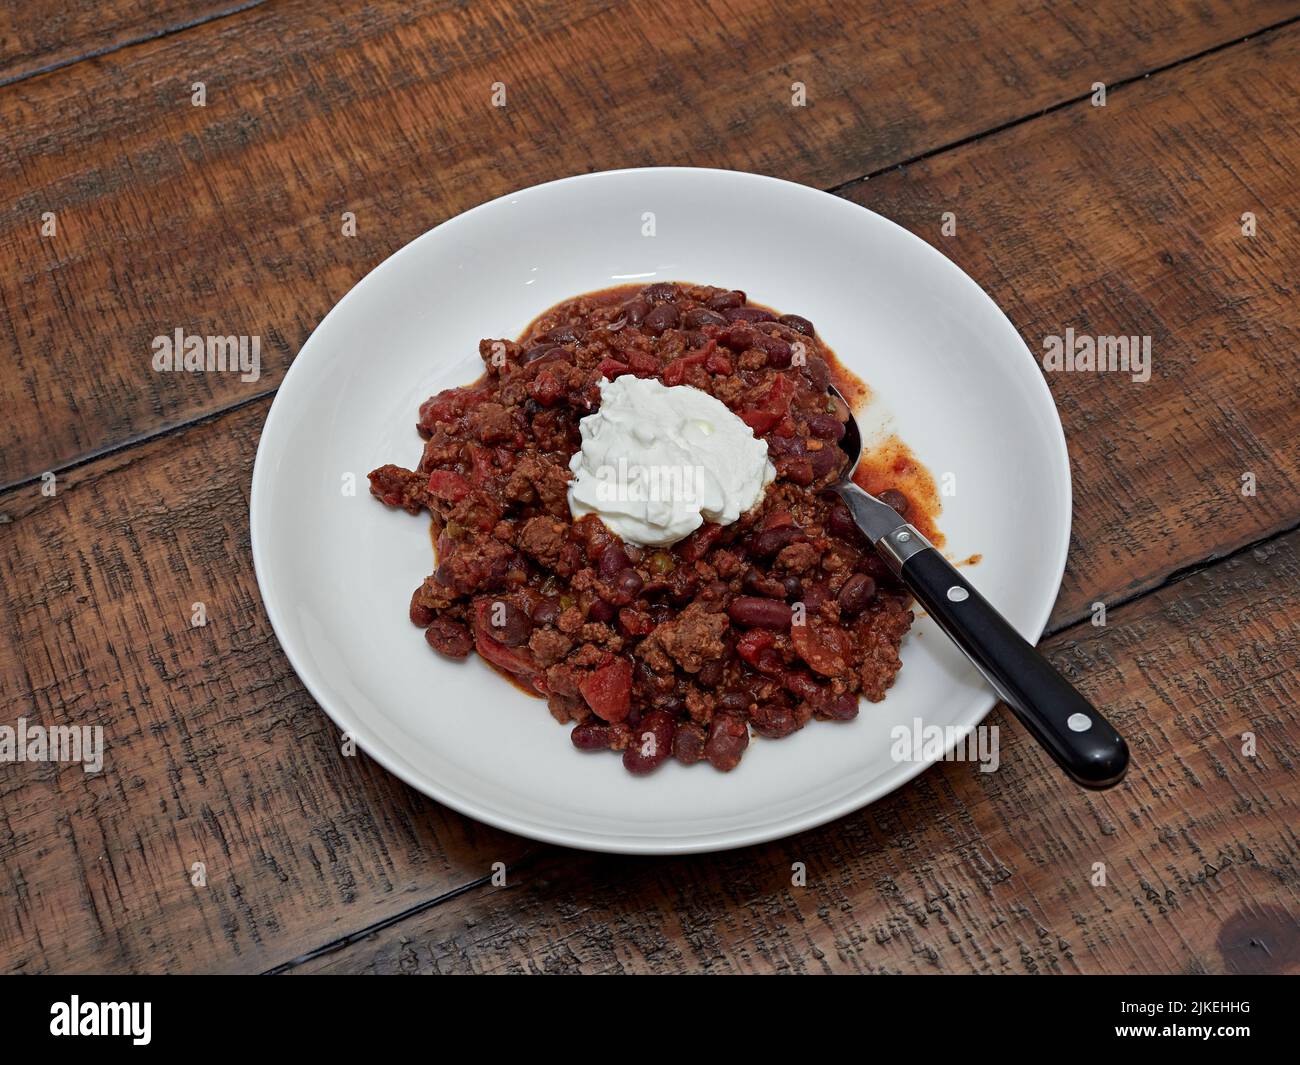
225	219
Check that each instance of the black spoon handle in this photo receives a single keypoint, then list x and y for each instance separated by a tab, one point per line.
1081	741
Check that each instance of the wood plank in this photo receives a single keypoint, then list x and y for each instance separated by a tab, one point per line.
40	35
1126	220
225	219
214	751
963	872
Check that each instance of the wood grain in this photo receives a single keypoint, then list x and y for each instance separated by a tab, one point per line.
963	872
226	219
1127	220
214	751
41	35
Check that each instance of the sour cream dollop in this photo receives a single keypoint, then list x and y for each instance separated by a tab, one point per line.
657	462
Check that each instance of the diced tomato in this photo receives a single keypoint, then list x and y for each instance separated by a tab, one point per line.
821	646
448	486
756	646
697	545
516	660
642	363
611	369
718	363
608	689
675	371
546	388
761	421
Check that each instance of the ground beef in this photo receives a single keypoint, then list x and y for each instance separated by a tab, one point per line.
781	617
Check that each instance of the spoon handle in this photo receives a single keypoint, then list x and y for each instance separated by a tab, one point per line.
1082	742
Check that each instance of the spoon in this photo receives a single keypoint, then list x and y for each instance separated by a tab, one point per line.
1081	741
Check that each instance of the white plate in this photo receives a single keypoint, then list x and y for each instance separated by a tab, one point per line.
948	371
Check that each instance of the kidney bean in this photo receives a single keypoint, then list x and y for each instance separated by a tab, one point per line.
508	624
710	674
748	314
591	736
714	592
798	470
635	310
728	738
419	613
698	316
818	373
798	323
566	334
773	720
537	351
600	610
892	497
735	702
627	586
842	707
840	523
651	742
778	352
661	612
660	292
449	637
826	427
815	593
547	610
737	337
826	460
724	301
755	613
672	704
688	743
662	318
856	594
613	561
759	583
770	541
